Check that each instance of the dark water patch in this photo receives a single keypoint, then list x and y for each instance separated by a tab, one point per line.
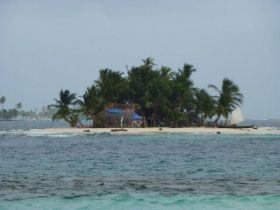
74	196
177	164
92	186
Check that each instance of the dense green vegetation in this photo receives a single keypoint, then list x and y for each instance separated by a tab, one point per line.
165	97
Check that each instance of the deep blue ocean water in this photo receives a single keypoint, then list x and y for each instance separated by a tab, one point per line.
151	171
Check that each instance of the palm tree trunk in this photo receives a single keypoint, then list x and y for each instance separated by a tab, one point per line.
226	121
202	121
216	120
153	119
93	120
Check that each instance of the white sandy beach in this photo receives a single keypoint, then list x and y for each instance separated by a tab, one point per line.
200	130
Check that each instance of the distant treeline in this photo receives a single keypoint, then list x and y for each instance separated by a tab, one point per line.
165	97
18	113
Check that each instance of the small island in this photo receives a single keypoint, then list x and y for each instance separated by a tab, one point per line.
148	96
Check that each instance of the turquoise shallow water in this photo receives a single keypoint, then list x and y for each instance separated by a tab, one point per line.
163	171
156	202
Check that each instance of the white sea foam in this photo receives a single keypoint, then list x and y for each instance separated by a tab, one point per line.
35	133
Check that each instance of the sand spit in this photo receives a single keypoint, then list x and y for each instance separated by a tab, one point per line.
190	130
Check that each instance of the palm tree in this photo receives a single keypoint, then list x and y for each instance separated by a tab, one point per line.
140	79
148	62
161	90
19	106
92	103
166	72
229	99
74	120
184	85
65	107
204	106
182	96
157	93
2	101
112	86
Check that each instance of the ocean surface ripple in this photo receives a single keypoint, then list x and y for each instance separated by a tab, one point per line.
162	171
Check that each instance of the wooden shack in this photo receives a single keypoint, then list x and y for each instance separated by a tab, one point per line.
122	115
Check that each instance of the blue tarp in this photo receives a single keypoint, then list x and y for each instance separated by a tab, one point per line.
136	117
115	111
122	111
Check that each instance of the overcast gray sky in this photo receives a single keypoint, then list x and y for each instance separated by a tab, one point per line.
54	44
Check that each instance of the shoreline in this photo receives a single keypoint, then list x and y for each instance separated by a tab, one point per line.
187	130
